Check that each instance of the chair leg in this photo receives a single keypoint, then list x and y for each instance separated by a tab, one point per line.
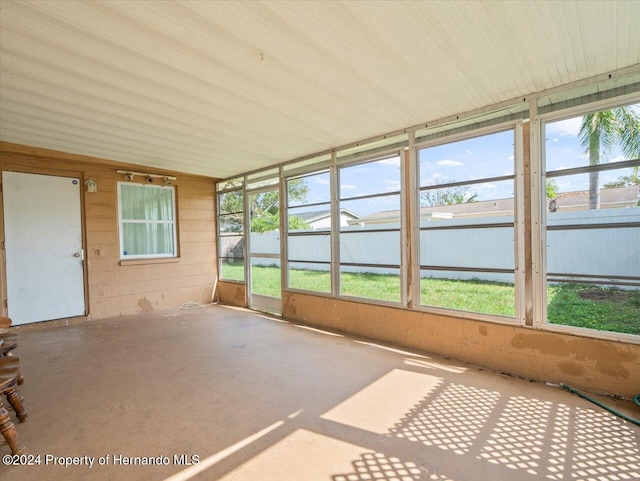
16	402
9	433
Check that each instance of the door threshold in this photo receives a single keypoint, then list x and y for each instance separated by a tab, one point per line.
65	321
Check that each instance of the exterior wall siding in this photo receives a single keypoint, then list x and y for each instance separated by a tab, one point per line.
116	287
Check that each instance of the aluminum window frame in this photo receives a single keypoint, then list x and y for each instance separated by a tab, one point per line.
538	162
362	158
220	215
301	173
516	126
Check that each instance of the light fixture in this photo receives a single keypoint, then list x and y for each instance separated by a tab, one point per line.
90	185
150	178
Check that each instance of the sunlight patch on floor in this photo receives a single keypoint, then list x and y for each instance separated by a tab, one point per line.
303	455
382	403
435	365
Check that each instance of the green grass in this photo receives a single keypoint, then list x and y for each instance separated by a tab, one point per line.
611	309
266	280
380	287
232	271
605	309
319	281
497	298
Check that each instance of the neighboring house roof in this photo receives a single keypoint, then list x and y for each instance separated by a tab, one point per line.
311	216
314	216
578	200
611	197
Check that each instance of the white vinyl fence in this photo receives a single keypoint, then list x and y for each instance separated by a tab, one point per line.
611	251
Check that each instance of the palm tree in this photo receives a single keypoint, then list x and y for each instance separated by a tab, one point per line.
599	132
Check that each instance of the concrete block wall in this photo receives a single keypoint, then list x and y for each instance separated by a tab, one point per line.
596	365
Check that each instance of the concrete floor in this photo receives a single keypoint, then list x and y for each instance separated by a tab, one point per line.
260	399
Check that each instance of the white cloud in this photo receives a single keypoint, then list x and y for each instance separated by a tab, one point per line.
348	187
394	161
393	184
564	128
555	139
511	157
432	179
617	158
321	180
469	152
450	163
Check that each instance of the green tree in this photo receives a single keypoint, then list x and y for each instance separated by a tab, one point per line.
231	216
599	132
264	208
625	180
447	195
552	189
552	194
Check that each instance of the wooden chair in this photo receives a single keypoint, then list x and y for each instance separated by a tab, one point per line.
9	369
10	342
8	380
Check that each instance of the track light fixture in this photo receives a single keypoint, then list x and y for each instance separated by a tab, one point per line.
150	178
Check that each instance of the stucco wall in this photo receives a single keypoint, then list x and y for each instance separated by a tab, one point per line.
117	287
594	364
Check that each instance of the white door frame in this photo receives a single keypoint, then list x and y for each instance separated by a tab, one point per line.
259	301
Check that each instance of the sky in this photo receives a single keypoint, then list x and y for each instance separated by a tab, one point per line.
471	159
563	151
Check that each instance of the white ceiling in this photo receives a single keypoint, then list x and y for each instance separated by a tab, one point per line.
220	88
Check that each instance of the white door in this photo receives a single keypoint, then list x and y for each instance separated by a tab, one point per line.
43	243
265	291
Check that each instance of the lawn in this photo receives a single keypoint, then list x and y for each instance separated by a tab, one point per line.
609	309
606	309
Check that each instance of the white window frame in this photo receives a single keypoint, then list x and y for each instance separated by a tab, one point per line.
538	162
518	183
219	217
367	158
122	221
300	174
